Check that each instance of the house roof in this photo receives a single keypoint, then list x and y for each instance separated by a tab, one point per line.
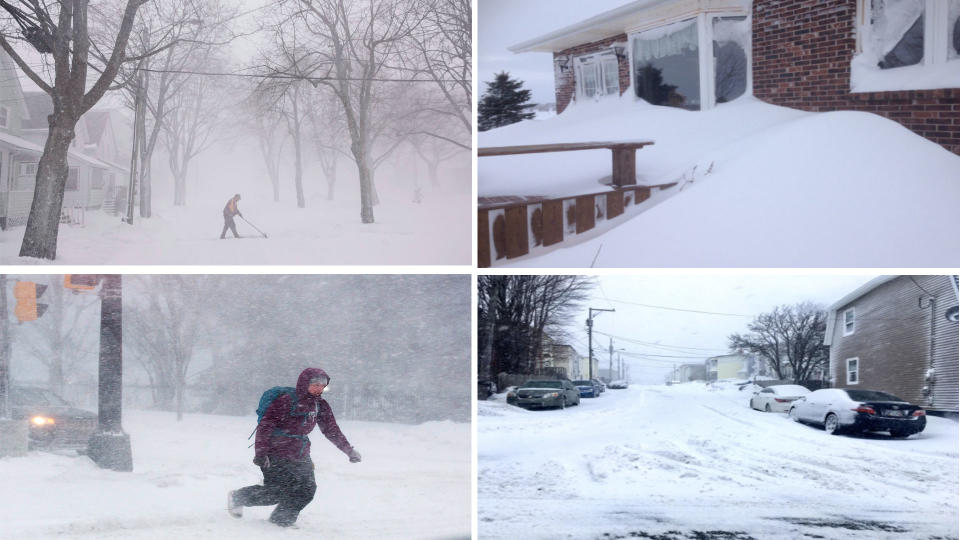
634	15
40	106
18	143
857	293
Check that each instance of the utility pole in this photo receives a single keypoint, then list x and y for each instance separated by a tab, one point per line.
590	335
4	351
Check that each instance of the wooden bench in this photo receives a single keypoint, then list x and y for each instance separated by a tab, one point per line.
624	155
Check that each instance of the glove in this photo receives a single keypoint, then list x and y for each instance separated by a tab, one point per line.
354	456
262	461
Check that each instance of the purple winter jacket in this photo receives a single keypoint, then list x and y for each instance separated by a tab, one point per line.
310	411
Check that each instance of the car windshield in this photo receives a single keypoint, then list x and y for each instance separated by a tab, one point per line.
582	383
871	395
543	384
789	390
36	396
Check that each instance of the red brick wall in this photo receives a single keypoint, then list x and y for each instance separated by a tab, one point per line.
801	59
566	84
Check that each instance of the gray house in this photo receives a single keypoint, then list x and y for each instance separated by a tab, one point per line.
898	334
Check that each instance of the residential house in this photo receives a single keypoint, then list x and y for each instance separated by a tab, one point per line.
563	356
896	58
732	366
691	372
96	177
898	334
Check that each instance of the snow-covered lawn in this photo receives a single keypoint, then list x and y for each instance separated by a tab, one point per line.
324	233
413	482
654	459
761	186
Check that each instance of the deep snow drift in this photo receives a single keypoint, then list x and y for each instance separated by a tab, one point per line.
653	459
413	482
760	186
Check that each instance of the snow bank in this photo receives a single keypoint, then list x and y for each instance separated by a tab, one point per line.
761	186
413	482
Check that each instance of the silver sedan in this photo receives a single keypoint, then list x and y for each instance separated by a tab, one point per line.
777	398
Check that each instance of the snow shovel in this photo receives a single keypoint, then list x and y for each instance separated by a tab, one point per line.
254	226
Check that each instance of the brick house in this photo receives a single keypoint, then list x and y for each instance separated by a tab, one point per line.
898	334
896	58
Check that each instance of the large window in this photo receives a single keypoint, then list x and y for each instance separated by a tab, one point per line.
902	33
26	177
598	75
666	66
731	37
692	64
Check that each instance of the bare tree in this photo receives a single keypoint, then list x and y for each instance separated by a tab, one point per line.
263	118
189	129
444	42
516	311
354	45
328	129
60	30
167	326
788	336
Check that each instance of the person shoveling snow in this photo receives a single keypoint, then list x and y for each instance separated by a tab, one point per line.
229	211
282	449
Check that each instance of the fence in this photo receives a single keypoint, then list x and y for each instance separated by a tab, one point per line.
507	230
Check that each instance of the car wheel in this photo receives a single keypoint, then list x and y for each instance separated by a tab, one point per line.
563	402
793	414
832	424
767	408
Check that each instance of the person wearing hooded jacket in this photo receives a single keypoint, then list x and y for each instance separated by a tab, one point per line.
282	451
229	211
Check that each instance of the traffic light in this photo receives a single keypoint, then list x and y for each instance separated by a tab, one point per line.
81	282
27	308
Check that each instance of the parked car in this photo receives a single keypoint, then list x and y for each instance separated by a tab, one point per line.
54	423
618	385
847	410
777	398
511	395
603	385
543	393
587	388
485	389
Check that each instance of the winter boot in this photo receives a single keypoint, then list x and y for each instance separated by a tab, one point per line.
233	508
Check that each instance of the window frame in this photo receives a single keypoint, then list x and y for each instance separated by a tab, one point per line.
4	116
596	61
853	321
936	42
66	186
855	371
706	61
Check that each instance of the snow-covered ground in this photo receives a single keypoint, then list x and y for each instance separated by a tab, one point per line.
760	186
413	482
671	462
325	233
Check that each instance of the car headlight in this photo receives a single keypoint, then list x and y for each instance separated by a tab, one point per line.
552	395
42	421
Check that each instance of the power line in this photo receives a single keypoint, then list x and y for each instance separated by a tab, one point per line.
668	308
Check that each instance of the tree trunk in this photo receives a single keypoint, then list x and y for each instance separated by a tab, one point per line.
432	170
145	191
180	188
331	182
298	158
366	191
275	180
43	224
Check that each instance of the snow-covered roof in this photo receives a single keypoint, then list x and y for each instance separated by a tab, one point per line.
634	15
857	293
21	144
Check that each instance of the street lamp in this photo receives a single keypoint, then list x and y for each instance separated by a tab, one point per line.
590	336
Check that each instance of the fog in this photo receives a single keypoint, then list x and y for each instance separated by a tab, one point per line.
397	347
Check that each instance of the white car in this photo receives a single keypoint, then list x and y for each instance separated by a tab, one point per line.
777	398
854	411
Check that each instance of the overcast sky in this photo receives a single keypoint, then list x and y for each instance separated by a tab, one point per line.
691	336
502	23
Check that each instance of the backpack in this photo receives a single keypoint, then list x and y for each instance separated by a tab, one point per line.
267	398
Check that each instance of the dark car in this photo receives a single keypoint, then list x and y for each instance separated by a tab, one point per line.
54	423
547	393
846	410
587	388
485	389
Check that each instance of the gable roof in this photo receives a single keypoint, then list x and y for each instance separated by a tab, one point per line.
857	293
96	124
40	106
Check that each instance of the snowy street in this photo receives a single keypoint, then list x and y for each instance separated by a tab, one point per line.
413	482
676	462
